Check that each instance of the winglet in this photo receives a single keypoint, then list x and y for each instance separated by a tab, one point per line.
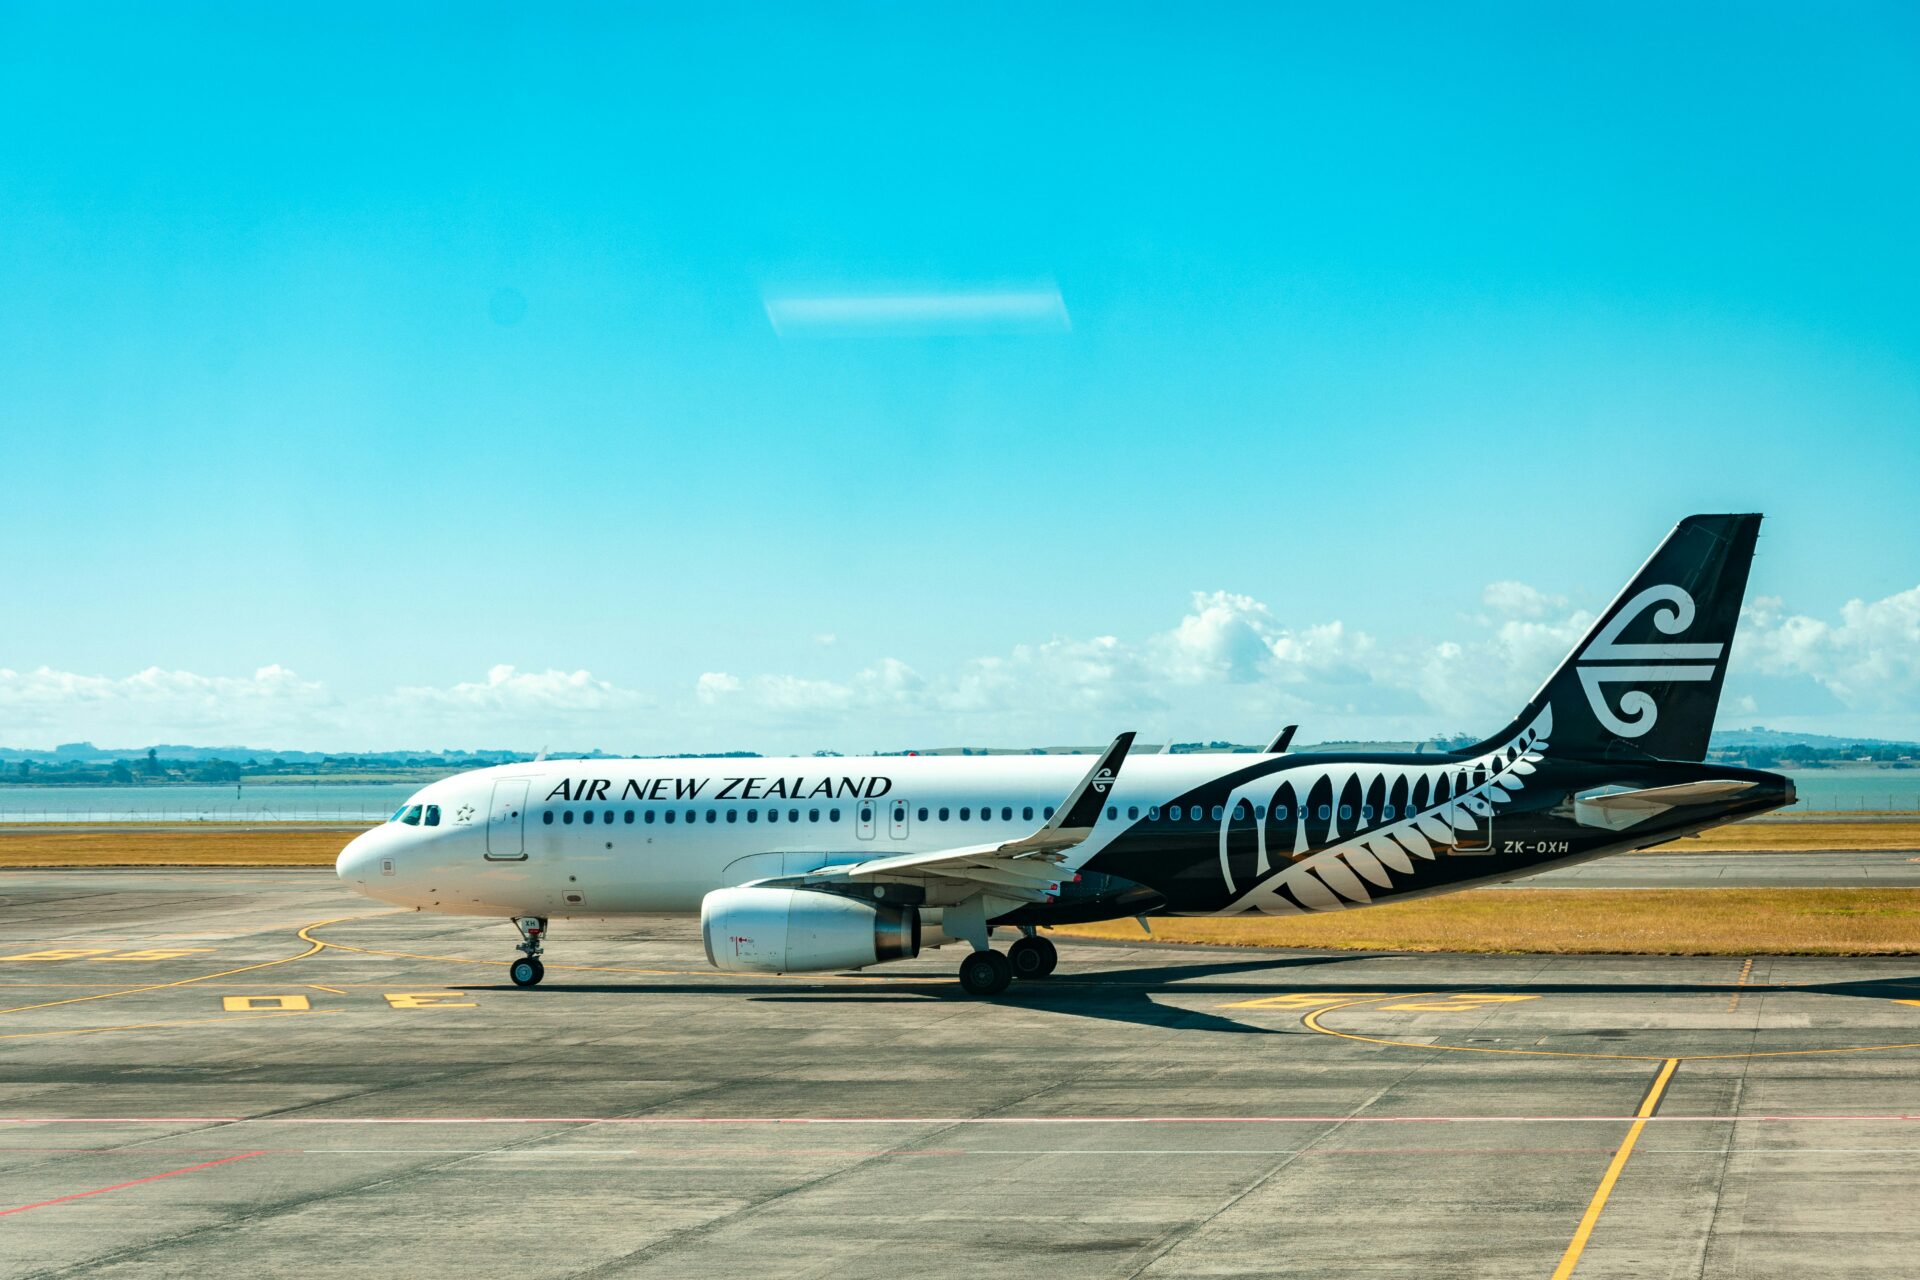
1081	809
1281	740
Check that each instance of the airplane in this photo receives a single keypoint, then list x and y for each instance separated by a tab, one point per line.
827	863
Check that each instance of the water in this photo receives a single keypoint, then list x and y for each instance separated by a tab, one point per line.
254	802
1842	789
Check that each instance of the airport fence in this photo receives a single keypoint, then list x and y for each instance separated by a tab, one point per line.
231	815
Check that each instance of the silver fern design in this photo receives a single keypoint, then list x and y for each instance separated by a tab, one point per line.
1377	848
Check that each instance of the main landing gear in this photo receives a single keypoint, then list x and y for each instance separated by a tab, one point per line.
527	971
988	973
1033	957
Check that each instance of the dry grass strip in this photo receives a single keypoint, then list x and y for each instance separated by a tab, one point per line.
173	847
1811	835
1686	922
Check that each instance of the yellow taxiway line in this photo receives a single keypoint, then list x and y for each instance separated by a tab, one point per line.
1571	1258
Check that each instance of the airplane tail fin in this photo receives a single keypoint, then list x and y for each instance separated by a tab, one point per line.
1645	681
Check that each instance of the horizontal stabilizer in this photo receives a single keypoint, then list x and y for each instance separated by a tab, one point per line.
1622	809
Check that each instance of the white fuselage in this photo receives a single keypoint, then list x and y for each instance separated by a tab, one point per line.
613	837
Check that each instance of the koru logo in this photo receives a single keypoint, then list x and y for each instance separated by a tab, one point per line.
1102	780
464	813
1672	614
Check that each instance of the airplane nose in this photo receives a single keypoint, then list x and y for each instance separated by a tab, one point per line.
355	863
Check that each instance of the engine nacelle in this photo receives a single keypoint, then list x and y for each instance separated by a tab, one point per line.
797	930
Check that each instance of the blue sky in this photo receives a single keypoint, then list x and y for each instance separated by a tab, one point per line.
376	378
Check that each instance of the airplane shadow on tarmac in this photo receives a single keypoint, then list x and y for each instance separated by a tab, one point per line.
1126	995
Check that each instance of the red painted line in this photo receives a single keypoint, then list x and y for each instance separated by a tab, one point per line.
122	1186
666	1121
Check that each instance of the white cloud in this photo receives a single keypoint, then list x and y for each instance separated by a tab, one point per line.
1518	600
157	705
715	685
950	311
1869	659
1228	667
511	691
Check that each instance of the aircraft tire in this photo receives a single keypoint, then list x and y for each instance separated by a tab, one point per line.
985	973
526	972
1033	958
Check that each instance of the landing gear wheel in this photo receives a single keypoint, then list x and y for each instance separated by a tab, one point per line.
986	973
527	972
1033	957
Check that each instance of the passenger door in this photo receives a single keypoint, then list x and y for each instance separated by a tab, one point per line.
506	822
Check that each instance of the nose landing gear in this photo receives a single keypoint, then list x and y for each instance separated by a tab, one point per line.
528	971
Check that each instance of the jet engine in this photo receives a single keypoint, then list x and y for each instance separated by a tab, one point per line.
761	930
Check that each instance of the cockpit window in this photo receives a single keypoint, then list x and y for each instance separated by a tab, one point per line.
410	815
433	816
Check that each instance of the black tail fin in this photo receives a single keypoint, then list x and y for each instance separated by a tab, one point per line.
1646	679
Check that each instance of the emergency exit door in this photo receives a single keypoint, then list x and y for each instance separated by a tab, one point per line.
897	820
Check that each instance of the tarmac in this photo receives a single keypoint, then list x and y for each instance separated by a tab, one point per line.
222	1071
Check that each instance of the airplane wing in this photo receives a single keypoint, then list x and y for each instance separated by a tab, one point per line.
1025	869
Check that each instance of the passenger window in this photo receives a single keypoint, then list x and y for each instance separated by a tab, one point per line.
1112	812
773	815
733	815
793	815
986	813
1346	813
1006	813
1026	814
566	816
866	813
1259	813
1279	813
1386	813
433	815
965	813
649	816
629	817
1366	813
1048	811
1153	813
1133	811
712	815
1411	809
587	817
547	817
753	815
607	817
813	815
1219	812
670	814
1240	811
923	813
833	815
944	813
1325	813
